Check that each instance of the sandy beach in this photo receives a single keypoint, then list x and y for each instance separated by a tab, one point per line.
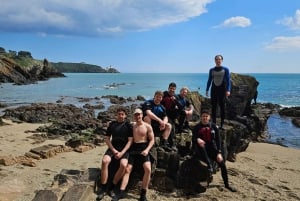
263	172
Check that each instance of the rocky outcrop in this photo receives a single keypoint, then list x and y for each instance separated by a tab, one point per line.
11	72
293	112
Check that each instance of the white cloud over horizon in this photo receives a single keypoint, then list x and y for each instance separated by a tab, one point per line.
95	17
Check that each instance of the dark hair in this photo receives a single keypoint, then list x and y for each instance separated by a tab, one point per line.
172	84
218	56
122	109
205	111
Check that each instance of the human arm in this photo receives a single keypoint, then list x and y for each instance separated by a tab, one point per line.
108	137
209	80
227	80
150	136
196	138
189	109
110	146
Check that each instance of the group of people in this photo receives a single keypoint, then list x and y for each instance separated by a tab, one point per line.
166	112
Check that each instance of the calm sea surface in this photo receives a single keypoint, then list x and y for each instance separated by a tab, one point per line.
283	89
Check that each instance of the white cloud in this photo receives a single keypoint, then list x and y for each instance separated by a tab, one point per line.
95	17
283	43
291	22
238	21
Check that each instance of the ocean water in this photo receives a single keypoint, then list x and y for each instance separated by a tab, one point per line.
283	89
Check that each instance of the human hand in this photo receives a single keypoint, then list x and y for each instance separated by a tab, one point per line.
118	155
227	93
144	153
219	157
201	142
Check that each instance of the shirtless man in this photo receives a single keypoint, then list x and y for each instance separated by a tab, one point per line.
143	140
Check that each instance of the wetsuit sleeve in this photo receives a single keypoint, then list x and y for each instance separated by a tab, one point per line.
227	79
209	79
147	105
109	129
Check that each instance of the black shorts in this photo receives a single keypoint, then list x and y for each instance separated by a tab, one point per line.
135	153
111	154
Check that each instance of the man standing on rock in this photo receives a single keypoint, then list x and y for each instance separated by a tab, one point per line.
206	142
118	139
219	78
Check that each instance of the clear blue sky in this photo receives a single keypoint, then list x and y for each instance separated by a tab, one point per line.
254	36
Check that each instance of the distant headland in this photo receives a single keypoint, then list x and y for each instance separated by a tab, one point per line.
21	68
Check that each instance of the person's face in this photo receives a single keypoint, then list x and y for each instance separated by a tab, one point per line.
121	116
183	93
218	60
172	90
157	99
138	117
205	118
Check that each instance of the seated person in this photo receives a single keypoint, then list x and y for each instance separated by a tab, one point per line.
143	140
185	109
118	139
169	101
155	115
207	145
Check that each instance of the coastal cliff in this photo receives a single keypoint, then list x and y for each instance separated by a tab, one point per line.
21	68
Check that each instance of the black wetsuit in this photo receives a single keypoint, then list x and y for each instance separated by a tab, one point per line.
119	132
219	78
210	134
159	110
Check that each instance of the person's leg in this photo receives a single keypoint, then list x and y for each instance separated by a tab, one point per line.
104	176
165	137
104	168
214	104
120	173
167	131
225	176
202	155
146	180
181	120
147	119
222	109
124	183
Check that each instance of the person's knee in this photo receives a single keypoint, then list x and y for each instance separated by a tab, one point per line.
147	167
168	126
128	169
123	164
106	160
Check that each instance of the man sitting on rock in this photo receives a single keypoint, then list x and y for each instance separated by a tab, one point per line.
206	142
119	137
155	115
